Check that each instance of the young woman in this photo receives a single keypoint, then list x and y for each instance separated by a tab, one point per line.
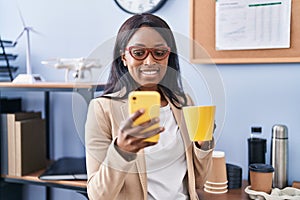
120	163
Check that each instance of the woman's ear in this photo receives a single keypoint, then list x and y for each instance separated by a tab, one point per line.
123	59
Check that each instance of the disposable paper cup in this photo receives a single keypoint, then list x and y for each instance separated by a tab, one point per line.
200	122
261	177
217	174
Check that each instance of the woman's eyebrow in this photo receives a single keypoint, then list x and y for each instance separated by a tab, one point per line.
139	44
160	44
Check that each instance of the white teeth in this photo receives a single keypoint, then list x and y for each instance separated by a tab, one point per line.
149	72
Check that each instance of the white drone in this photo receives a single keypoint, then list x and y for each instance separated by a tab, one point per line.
76	65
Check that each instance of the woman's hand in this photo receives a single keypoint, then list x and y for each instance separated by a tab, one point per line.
131	139
205	145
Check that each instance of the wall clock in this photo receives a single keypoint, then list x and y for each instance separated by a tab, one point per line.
140	6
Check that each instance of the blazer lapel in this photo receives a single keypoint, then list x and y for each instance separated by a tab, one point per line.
140	161
178	114
119	107
124	110
141	167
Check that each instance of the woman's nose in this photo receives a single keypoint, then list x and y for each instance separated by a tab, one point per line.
149	60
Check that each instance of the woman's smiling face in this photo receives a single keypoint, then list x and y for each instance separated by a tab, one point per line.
146	71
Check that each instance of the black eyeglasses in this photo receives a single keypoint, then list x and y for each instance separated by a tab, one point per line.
140	53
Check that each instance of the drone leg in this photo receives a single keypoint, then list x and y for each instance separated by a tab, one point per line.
76	75
81	74
91	75
67	75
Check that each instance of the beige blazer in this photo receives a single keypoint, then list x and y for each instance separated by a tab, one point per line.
110	176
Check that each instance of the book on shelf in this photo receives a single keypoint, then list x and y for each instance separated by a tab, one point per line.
30	146
8	105
3	144
12	118
66	168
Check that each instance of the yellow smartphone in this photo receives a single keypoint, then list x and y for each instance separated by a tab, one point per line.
150	102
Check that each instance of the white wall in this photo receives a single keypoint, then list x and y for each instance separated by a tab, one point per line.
260	95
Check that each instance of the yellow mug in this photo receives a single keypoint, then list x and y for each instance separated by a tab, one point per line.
200	121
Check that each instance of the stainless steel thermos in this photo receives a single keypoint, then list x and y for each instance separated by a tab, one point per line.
279	155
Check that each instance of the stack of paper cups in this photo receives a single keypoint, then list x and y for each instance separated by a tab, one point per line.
217	178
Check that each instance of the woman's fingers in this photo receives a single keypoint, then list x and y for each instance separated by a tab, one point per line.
136	131
132	138
146	134
128	123
139	142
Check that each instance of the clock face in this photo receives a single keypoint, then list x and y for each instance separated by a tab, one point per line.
140	6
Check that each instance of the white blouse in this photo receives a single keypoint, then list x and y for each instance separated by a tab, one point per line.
166	162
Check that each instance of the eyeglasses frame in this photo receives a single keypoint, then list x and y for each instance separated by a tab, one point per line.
149	50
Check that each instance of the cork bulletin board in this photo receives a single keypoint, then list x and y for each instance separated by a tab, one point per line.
202	32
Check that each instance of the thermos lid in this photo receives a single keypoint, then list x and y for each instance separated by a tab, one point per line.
279	132
260	167
257	140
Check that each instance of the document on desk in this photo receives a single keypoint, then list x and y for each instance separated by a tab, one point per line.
252	24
